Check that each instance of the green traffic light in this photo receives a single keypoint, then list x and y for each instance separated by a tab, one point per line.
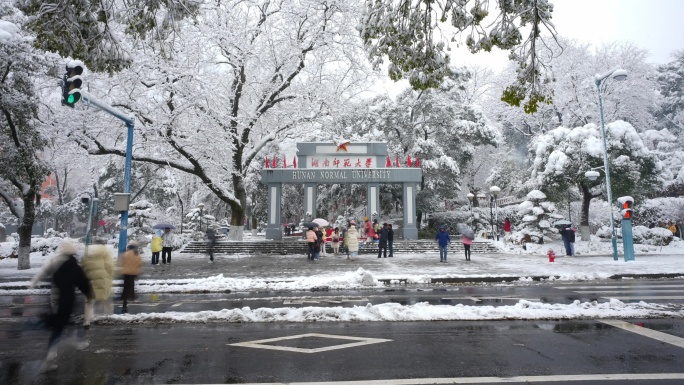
71	99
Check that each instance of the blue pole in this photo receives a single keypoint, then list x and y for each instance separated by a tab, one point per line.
123	229
605	165
628	239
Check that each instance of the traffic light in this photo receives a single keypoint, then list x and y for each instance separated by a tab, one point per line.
71	84
627	209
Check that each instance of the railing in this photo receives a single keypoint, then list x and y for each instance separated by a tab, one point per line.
505	201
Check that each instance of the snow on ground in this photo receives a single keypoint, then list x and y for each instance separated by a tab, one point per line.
525	310
594	261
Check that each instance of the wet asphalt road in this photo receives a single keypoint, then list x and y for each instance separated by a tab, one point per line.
191	353
183	353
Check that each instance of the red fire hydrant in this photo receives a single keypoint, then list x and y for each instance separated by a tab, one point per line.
552	255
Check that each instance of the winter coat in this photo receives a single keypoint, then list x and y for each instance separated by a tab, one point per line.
443	238
67	277
567	234
311	236
156	244
352	239
369	230
99	268
130	263
48	270
383	236
466	240
390	234
167	239
335	238
507	226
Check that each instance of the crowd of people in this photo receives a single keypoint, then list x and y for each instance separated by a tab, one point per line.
93	277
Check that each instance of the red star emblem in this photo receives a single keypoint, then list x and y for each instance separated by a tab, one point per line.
342	146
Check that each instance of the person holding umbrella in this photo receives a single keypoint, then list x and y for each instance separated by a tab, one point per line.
467	236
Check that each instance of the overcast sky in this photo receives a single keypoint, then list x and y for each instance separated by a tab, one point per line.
656	25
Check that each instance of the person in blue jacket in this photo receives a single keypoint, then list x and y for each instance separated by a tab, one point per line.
444	241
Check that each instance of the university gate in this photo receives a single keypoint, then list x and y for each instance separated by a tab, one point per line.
342	163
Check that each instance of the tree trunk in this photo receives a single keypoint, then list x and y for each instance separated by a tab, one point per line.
24	230
237	215
584	222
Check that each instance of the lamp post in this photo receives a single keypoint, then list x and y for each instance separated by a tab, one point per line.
86	198
617	74
201	209
494	191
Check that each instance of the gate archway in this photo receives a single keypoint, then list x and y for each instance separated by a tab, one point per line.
344	163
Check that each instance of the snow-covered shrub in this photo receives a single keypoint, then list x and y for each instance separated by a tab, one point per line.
658	210
656	236
537	216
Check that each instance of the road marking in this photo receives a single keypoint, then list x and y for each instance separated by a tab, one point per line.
627	292
638	286
177	304
656	335
645	297
491	380
479	299
360	342
302	301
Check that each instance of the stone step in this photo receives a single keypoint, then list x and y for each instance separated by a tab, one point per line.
294	247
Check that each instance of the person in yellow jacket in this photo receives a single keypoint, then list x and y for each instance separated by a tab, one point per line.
156	246
130	265
98	266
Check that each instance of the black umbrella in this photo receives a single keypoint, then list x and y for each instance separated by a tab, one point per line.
310	224
163	226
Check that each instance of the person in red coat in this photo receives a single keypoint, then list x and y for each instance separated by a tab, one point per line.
507	227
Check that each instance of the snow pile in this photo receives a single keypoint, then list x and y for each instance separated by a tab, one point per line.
523	310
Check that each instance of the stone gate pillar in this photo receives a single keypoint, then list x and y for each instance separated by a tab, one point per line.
373	200
310	194
273	226
410	230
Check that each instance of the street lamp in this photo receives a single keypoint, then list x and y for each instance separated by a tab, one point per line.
617	74
494	191
201	209
86	198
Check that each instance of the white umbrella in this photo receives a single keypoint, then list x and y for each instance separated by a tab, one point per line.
562	222
321	221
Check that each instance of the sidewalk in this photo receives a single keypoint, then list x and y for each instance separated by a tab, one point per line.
244	270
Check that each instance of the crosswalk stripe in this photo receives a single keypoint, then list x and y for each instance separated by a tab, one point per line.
626	292
635	286
645	297
492	380
656	335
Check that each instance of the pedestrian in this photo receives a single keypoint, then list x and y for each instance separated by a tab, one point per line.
507	227
443	240
130	265
351	239
568	236
390	240
156	247
167	245
66	276
335	238
672	228
311	243
211	243
376	227
328	234
368	227
382	241
466	245
320	242
98	266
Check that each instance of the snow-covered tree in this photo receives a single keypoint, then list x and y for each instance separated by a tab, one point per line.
245	74
21	170
434	126
562	156
671	86
410	35
538	216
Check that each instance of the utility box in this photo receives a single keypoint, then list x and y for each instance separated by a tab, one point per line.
121	201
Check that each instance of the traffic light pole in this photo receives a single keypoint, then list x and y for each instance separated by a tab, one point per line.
130	123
